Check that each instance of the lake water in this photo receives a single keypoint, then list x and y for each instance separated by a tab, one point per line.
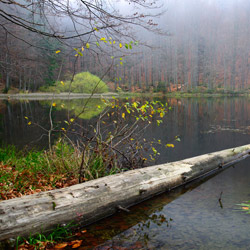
190	217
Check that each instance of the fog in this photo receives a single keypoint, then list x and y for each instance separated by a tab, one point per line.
182	45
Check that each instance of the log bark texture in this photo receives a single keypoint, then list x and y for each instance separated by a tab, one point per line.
93	200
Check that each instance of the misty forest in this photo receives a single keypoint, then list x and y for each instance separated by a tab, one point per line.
120	121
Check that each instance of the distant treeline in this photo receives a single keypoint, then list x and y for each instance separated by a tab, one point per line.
207	47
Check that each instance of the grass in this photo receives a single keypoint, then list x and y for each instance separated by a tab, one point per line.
28	172
48	241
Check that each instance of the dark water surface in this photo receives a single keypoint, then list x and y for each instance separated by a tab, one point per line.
188	218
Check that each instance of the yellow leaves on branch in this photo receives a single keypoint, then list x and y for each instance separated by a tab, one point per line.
169	145
120	45
87	45
53	104
58	51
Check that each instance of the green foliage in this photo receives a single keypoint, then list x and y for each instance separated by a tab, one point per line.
161	87
83	82
107	151
21	171
51	58
93	108
40	240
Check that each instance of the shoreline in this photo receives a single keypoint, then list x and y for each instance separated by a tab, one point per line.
70	96
51	96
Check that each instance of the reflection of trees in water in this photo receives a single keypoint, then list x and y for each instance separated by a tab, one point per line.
218	128
189	118
136	229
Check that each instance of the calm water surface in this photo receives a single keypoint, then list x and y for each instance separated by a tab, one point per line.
188	218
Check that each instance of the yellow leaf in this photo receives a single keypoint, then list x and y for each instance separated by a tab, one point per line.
113	42
62	105
131	139
53	104
29	123
26	117
120	45
72	119
96	29
63	129
98	106
62	83
161	114
87	45
123	115
82	49
169	145
102	39
58	51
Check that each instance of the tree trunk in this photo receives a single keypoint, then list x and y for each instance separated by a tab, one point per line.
93	200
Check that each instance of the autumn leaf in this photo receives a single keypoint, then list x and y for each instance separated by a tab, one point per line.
120	45
26	117
123	115
62	83
53	104
58	51
76	243
169	145
87	45
245	208
29	123
61	245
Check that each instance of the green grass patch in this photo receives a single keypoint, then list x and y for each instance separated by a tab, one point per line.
28	172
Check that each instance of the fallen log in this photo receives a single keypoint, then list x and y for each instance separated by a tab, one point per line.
93	200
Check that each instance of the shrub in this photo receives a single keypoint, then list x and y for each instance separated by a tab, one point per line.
83	82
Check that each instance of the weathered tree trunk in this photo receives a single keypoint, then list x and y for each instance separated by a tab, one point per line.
96	199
